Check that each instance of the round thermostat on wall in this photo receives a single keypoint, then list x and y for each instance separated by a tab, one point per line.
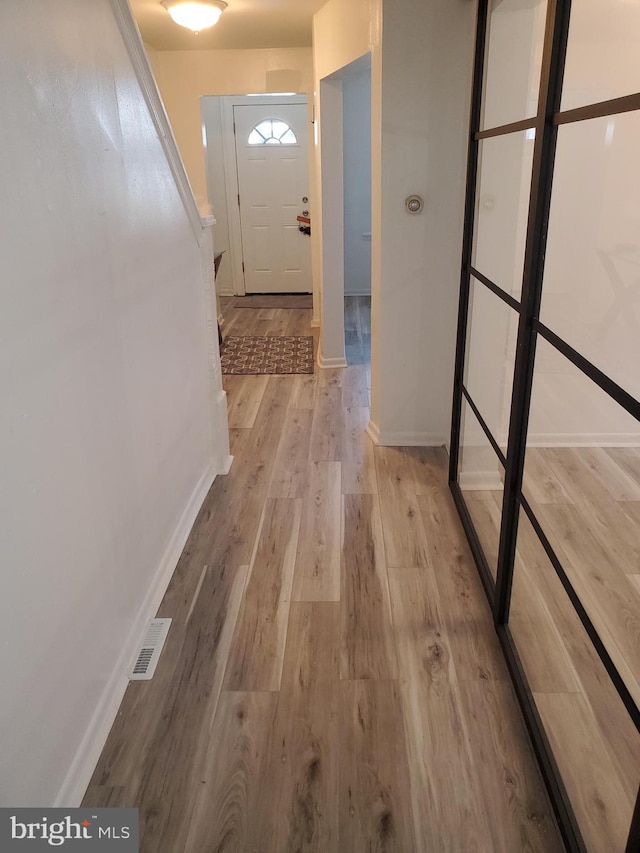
414	203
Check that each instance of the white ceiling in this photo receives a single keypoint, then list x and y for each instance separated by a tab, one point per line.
244	24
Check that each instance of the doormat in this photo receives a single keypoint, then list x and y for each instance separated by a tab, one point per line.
255	354
277	300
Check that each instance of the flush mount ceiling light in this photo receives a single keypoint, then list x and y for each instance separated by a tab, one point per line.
196	15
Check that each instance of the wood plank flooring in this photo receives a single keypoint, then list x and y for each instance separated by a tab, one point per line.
332	681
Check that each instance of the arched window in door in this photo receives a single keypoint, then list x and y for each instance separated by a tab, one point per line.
272	131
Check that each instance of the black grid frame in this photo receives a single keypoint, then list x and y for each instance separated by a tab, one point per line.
546	122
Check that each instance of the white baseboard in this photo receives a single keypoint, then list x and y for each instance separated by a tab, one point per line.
86	758
373	432
481	481
399	438
325	363
315	322
92	743
222	455
603	439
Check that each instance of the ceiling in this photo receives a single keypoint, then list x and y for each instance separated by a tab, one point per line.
244	24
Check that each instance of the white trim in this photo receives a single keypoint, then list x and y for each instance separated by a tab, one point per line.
481	481
330	216
315	321
147	82
411	439
603	439
86	758
403	439
220	433
231	185
227	466
373	432
324	363
218	424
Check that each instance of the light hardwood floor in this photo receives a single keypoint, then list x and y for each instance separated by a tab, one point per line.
332	681
587	501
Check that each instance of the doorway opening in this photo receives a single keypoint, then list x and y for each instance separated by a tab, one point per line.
356	105
345	176
257	166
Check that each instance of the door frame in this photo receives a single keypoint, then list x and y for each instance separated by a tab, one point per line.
231	174
329	233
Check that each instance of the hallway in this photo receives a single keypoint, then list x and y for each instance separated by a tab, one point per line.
331	681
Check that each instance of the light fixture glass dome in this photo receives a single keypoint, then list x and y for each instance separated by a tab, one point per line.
196	15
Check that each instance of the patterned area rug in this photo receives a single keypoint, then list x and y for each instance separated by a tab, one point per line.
266	354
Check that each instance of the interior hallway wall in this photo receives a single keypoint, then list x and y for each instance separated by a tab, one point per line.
343	32
424	69
185	76
185	79
420	93
107	445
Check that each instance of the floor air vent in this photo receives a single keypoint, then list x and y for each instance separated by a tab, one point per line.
150	650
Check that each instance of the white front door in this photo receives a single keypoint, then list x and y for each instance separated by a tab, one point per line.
271	155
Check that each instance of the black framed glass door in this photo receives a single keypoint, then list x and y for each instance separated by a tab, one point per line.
545	444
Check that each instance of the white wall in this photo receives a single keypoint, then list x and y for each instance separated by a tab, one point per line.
185	76
421	83
185	79
107	444
356	102
419	140
152	54
343	32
